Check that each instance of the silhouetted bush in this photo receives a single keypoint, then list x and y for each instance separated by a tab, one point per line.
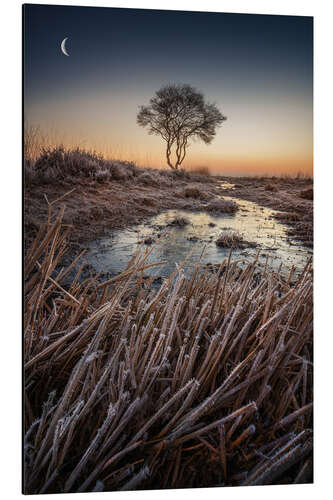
59	163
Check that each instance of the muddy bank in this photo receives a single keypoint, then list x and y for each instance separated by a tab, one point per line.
95	209
291	197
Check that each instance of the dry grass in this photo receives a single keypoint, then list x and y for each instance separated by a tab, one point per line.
108	193
205	381
57	163
219	205
150	179
192	191
231	239
46	165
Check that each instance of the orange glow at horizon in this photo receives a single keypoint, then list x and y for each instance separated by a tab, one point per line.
256	69
260	137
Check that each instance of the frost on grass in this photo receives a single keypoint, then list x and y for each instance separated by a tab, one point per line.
228	239
59	163
128	383
219	205
271	187
192	191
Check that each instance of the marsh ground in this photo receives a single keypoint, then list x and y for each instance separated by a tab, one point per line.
96	208
232	409
292	197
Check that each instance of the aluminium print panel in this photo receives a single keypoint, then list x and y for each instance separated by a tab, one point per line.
168	234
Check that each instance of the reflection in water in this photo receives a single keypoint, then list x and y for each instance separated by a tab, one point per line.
177	244
226	185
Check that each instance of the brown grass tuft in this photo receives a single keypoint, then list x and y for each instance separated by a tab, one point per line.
220	205
192	192
231	239
179	221
271	187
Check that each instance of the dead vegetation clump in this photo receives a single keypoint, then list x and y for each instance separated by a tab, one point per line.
195	191
220	205
205	381
192	191
179	221
56	164
150	178
201	175
232	239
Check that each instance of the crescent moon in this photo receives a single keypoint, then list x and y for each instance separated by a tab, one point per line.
63	47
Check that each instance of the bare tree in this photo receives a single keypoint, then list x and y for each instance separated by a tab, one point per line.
178	113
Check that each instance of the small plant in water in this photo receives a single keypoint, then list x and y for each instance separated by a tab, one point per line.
179	221
228	239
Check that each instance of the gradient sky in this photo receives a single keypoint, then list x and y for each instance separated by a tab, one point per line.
257	69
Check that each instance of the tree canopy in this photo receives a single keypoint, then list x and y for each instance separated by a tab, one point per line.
179	113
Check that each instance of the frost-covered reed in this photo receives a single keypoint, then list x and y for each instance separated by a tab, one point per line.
205	381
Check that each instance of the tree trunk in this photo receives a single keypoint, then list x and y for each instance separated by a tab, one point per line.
168	154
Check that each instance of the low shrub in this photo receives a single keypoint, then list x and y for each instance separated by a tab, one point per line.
181	174
102	175
119	172
58	163
77	162
192	192
149	178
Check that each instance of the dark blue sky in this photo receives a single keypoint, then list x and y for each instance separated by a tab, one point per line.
126	54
